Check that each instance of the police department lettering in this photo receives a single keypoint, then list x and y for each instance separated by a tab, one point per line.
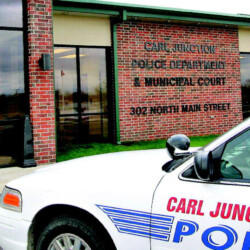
227	211
223	210
137	223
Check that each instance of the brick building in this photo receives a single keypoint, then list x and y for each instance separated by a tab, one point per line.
77	71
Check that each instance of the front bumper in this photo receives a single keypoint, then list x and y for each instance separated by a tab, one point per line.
13	230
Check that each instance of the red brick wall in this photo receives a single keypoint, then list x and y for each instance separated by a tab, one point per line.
41	83
221	45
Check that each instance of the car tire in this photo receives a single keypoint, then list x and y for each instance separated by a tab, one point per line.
66	232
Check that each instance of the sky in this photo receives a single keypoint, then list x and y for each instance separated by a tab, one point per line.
222	6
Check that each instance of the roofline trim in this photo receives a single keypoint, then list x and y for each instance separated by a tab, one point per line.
189	19
148	7
125	14
143	11
86	10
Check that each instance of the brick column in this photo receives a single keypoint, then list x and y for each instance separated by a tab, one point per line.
41	83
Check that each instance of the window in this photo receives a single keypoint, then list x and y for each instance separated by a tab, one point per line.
245	83
11	13
235	160
11	74
12	84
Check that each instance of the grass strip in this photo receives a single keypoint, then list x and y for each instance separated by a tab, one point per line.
76	151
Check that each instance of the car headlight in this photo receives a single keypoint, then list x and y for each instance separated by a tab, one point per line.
11	199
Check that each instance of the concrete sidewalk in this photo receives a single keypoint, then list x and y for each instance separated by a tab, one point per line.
10	173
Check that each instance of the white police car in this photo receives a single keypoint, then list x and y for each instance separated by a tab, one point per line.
135	200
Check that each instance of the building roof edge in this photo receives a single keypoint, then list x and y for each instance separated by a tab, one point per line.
234	19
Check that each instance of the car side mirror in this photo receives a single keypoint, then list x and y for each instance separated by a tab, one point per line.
203	165
178	141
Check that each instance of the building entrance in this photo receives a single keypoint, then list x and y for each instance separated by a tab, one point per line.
81	94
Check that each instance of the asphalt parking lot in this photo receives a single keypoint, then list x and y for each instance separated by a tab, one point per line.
10	173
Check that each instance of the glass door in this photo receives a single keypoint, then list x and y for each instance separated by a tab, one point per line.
94	105
66	95
81	95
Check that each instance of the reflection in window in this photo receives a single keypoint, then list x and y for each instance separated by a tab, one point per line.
66	80
235	161
81	95
67	130
11	13
12	98
93	80
95	126
245	83
11	74
94	91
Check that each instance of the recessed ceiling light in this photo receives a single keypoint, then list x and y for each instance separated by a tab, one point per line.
61	50
71	56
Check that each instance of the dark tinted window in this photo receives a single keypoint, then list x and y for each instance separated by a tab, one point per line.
12	96
245	83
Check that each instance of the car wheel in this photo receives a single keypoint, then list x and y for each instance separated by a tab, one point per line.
69	233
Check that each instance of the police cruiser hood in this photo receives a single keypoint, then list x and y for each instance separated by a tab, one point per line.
117	179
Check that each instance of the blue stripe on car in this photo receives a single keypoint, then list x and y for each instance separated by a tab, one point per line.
138	223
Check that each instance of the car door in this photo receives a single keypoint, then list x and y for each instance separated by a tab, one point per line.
206	214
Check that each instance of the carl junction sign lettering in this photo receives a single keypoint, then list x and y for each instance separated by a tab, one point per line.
177	78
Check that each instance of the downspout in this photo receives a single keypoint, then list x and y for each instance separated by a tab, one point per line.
117	115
